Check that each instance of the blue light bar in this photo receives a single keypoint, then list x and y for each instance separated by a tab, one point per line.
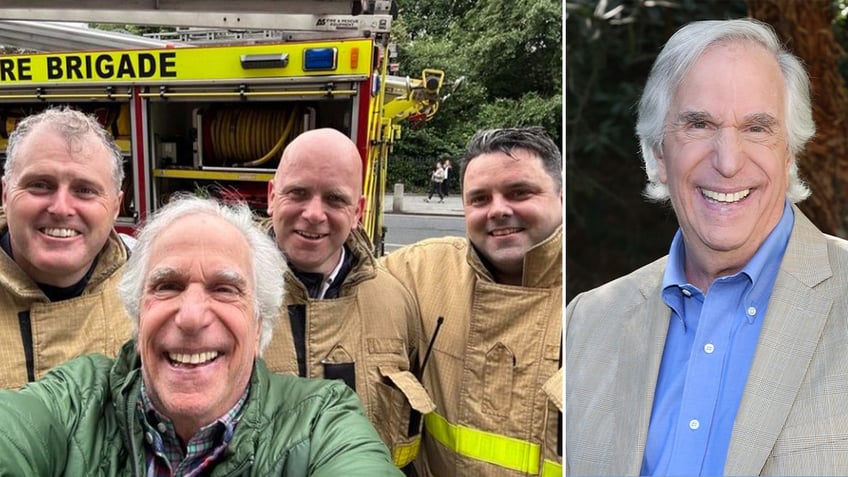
323	59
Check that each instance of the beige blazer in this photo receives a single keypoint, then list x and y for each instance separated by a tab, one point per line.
793	418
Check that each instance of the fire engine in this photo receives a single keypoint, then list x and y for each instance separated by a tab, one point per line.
213	118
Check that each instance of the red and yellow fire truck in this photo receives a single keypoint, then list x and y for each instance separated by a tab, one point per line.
214	119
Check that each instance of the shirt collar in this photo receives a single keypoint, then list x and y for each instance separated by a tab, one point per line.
335	273
152	420
765	262
317	285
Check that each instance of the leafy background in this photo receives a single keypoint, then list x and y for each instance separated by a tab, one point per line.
510	53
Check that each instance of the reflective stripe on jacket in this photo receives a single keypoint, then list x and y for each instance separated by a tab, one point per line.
370	331
94	322
494	361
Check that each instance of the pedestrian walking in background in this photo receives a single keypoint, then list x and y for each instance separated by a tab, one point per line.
437	177
446	166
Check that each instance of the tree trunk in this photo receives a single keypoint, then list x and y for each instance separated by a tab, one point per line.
806	28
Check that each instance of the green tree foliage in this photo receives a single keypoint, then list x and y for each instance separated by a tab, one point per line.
432	19
510	54
514	46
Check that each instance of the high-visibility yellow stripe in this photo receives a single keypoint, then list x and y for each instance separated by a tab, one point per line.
403	454
496	449
551	469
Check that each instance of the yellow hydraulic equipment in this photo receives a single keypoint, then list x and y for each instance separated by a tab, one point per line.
412	100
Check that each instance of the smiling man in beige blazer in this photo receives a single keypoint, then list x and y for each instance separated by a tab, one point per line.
729	355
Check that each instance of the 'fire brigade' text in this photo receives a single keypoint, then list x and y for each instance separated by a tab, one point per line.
102	66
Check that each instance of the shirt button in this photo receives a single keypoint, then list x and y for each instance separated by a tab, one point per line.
161	427
685	292
694	424
149	437
709	348
752	311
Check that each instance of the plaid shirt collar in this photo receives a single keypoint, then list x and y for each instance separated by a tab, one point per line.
165	454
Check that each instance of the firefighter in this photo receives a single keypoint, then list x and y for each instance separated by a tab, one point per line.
491	307
345	317
61	258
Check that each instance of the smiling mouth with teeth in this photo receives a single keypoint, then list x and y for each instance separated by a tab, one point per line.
59	232
726	198
194	359
502	232
311	236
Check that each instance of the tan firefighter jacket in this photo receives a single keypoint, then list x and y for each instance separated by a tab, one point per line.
371	332
51	333
494	372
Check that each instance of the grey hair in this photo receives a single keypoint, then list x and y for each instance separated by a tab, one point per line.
269	267
675	60
73	125
505	140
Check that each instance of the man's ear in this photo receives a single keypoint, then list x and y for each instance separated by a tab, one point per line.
662	173
270	197
118	201
360	208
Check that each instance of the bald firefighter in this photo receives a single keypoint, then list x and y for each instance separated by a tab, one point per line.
61	258
345	316
491	306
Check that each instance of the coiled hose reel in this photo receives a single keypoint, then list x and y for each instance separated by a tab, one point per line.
247	137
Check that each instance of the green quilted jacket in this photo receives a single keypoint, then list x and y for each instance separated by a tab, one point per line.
80	420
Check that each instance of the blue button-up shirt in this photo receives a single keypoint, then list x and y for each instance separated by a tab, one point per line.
707	357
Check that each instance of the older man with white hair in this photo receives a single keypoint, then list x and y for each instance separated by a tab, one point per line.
188	395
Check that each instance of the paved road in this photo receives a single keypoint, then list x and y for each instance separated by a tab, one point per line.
403	229
415	204
418	220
